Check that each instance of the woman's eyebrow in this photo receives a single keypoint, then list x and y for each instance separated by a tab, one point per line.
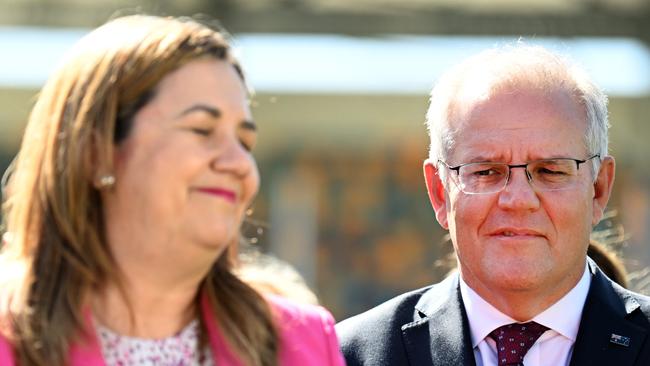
212	111
216	113
248	125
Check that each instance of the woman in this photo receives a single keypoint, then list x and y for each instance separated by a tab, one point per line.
124	210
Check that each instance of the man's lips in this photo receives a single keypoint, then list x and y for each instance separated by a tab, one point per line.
516	232
227	194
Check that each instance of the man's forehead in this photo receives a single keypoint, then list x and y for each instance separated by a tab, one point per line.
529	124
467	105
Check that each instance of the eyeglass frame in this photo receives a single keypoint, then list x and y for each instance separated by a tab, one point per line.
529	177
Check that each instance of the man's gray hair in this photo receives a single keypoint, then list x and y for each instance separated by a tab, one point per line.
507	68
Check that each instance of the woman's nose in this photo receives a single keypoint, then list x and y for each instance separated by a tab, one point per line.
231	156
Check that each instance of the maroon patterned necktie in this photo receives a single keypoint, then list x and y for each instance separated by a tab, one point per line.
514	341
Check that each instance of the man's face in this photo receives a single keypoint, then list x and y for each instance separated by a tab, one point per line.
521	239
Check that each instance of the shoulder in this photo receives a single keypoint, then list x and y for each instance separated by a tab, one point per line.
307	334
637	304
294	312
393	314
375	336
643	300
6	349
6	352
632	305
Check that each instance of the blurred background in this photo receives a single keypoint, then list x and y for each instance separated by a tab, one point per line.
341	91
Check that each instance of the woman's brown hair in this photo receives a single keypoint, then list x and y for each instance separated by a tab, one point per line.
56	252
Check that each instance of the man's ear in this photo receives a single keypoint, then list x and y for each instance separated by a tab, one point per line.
436	190
603	188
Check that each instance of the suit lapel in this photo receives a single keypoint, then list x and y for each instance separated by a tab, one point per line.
440	322
605	327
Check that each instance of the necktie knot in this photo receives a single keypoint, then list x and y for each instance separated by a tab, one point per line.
514	341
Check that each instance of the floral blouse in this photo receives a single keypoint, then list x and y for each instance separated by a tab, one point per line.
178	350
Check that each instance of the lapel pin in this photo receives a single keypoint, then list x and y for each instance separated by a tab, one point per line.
620	340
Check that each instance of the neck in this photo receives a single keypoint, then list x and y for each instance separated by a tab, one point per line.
522	305
154	292
143	311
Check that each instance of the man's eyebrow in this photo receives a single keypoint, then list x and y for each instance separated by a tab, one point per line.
485	158
212	111
482	158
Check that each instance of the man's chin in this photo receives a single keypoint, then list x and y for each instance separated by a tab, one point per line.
519	278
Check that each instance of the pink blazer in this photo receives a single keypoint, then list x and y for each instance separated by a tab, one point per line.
307	337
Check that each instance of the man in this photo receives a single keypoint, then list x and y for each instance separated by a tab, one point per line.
519	174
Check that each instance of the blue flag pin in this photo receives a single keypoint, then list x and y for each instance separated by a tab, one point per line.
620	340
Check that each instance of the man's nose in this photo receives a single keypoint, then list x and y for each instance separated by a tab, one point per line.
519	193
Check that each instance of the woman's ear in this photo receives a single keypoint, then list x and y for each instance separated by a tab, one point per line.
436	190
101	164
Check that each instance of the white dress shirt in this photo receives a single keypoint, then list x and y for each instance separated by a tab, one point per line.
554	347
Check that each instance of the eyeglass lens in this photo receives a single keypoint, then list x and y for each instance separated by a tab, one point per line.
549	175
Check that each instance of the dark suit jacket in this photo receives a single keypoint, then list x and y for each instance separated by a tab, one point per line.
430	327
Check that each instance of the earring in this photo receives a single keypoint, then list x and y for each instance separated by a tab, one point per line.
106	181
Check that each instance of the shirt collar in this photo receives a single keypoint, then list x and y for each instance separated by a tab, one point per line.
562	317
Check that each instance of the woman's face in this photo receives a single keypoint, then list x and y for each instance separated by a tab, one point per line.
185	174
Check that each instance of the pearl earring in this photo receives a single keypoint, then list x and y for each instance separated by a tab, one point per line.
106	181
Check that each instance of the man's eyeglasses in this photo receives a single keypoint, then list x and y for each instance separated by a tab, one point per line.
544	175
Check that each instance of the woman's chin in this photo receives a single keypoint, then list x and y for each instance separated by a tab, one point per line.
216	241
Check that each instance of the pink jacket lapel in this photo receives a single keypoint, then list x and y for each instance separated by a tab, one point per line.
220	350
87	351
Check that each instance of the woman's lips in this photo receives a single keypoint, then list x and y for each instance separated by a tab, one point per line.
227	194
